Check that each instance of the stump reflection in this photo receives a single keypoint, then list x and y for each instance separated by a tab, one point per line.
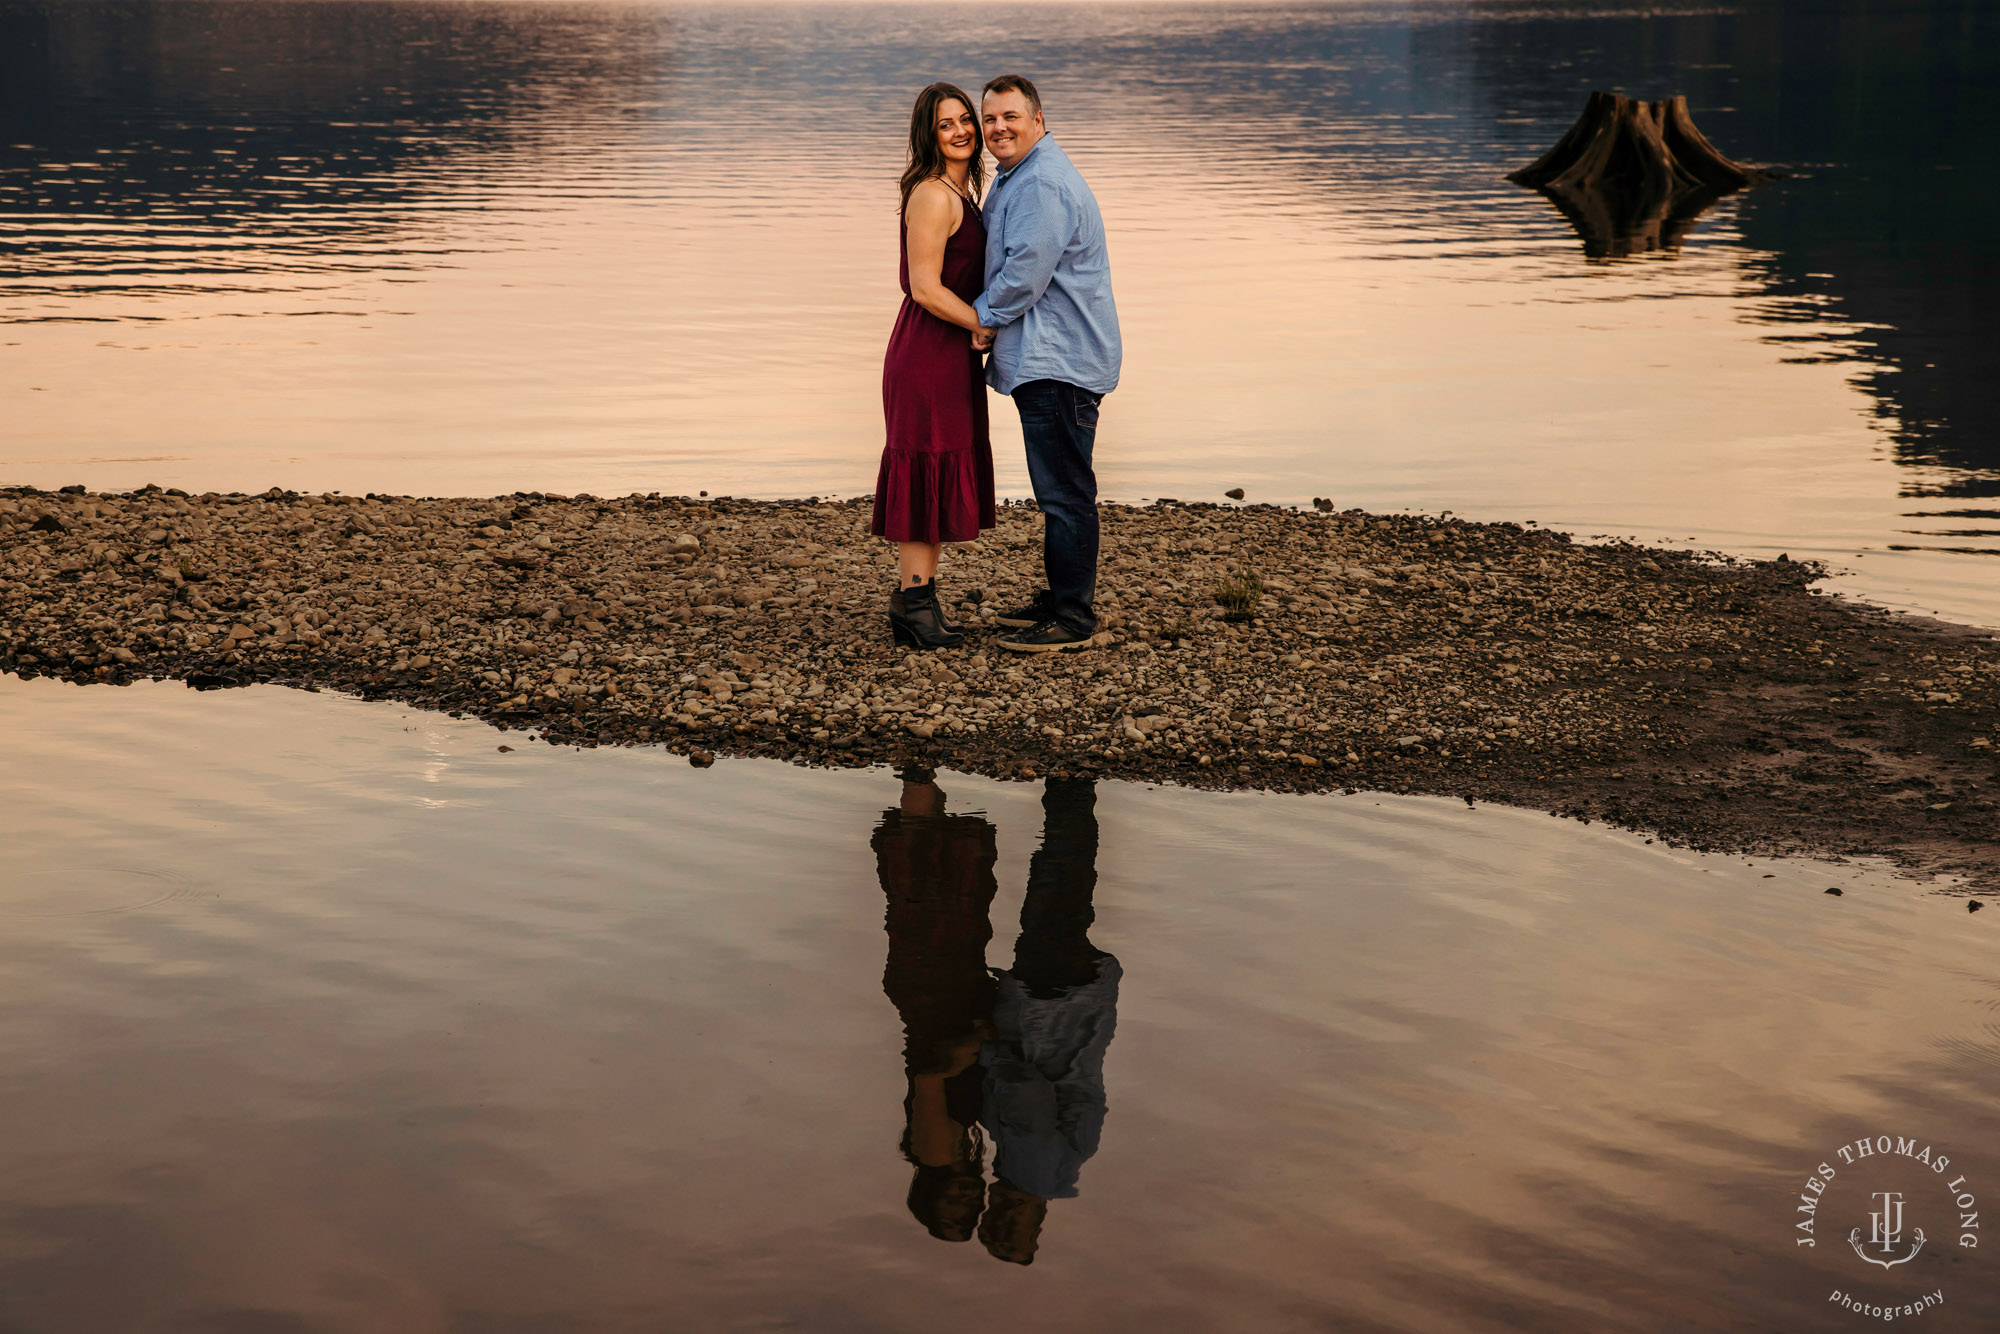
1615	223
1633	176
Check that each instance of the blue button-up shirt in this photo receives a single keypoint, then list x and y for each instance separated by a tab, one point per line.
1044	1088
1048	278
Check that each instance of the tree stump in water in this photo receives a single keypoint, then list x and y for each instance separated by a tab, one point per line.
1633	176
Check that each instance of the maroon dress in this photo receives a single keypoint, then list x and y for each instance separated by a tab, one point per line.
937	878
936	481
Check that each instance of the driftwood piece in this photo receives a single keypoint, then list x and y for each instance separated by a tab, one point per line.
1633	176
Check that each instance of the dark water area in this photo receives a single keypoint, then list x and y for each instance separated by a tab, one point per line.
464	248
1895	224
266	139
333	1017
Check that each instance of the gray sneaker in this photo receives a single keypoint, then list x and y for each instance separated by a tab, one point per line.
1049	637
1028	617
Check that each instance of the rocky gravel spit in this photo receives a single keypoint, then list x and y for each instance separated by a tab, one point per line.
1713	704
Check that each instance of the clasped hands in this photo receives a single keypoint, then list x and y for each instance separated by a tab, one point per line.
982	340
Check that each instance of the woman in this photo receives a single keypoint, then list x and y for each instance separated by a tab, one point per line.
937	885
936	481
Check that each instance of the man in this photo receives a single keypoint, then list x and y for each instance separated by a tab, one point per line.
1054	1013
1048	312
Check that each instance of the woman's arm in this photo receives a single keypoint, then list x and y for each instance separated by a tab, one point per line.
932	209
933	1134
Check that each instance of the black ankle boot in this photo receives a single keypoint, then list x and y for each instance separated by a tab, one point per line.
915	620
951	626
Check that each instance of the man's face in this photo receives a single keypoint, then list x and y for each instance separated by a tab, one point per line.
1012	127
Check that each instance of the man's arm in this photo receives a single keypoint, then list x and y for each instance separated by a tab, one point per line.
1038	230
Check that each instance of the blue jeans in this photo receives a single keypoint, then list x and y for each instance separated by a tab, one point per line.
1059	425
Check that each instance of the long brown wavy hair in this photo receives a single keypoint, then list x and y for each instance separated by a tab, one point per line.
926	158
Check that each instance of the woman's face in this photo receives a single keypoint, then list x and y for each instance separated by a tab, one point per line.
957	131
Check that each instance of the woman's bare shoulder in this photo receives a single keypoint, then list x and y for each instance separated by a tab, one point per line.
935	203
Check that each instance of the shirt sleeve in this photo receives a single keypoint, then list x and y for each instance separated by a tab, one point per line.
1038	228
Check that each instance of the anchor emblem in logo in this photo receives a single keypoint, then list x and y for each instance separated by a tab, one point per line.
1887	1232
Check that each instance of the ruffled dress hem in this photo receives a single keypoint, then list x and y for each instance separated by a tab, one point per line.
934	497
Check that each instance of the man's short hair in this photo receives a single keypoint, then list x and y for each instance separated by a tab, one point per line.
1014	83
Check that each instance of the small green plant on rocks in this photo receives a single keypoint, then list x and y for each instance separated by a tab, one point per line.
1238	592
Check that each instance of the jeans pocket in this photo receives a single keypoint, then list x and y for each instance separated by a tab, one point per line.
1086	409
1038	402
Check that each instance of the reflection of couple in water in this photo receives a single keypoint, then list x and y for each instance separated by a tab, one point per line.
1017	1055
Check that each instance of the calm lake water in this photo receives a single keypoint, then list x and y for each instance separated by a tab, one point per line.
332	1017
329	1016
466	247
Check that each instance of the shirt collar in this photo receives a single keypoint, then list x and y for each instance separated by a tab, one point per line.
1001	179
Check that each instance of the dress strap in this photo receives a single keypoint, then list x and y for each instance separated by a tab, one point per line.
964	196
